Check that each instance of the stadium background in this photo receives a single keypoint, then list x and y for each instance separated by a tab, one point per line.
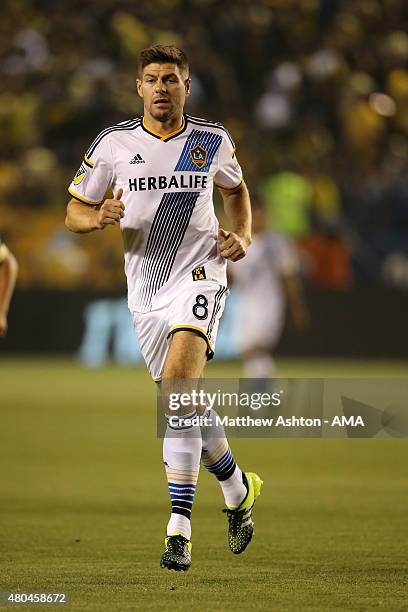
316	96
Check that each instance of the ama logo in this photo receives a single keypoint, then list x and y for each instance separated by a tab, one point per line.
198	156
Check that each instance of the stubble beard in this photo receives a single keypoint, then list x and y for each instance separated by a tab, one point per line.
163	116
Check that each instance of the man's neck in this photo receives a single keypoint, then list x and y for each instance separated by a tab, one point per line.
163	128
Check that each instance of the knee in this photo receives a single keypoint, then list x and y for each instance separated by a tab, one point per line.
176	372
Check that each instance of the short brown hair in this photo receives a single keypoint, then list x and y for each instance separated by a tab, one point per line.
162	54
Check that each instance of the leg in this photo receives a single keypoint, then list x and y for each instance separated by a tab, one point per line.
240	489
218	459
182	445
186	357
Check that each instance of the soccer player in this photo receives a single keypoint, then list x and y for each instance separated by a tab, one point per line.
8	277
268	281
162	167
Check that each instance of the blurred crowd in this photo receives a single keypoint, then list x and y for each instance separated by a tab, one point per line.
315	93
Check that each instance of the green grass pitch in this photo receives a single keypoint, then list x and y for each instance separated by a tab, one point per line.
84	503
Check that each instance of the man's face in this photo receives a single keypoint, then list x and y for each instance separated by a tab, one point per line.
164	90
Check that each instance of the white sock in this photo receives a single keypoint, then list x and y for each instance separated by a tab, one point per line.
179	524
181	455
218	459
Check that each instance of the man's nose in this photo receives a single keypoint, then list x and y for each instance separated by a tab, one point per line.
160	85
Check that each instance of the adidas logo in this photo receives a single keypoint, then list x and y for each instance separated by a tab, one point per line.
137	159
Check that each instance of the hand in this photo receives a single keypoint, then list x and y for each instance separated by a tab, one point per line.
111	211
3	325
233	246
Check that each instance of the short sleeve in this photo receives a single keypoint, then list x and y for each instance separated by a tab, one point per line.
229	173
95	174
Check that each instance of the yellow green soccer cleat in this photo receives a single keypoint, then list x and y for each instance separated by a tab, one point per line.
177	553
241	525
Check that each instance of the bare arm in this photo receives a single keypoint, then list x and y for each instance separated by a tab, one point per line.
83	219
237	206
8	277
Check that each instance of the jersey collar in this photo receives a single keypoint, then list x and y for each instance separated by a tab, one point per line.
167	136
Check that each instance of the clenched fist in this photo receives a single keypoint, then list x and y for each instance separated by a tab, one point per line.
111	211
233	246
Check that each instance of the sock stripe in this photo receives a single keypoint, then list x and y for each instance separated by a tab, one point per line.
227	473
219	460
179	475
224	467
181	472
219	469
183	498
183	477
220	463
180	427
187	504
181	457
182	486
187	492
220	450
229	462
183	511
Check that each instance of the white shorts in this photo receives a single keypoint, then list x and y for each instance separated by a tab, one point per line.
197	307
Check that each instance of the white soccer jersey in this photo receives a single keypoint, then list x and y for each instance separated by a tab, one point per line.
169	228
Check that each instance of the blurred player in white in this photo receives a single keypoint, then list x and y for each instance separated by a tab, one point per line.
8	277
162	167
268	280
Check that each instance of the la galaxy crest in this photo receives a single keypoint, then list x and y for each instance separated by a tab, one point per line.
199	156
199	273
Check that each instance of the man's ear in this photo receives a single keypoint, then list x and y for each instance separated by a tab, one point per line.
187	85
139	87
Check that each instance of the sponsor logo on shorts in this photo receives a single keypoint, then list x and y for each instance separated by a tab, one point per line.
199	273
